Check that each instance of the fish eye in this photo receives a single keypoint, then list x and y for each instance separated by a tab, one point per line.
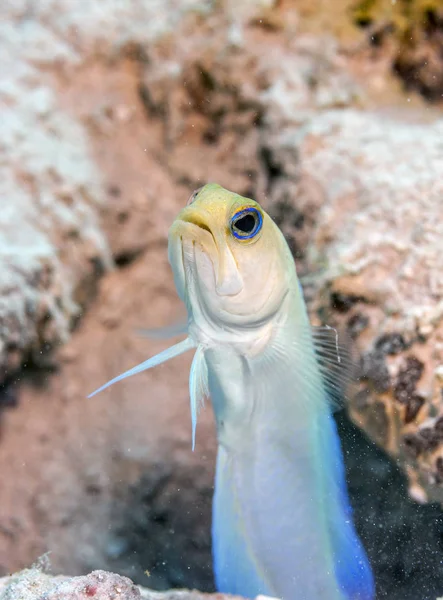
194	195
246	223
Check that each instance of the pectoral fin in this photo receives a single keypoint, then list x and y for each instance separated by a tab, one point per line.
176	350
163	333
198	387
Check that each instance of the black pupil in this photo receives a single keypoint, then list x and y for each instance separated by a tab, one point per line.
246	224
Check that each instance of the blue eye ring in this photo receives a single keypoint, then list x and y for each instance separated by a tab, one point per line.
249	230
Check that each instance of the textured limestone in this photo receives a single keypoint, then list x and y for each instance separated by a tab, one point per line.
414	31
52	248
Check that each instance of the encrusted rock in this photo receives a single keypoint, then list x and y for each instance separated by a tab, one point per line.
32	584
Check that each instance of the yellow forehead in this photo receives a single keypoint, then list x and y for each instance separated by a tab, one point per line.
219	202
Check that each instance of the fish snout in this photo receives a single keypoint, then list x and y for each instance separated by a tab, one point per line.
208	233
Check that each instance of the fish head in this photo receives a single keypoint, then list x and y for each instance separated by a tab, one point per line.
230	261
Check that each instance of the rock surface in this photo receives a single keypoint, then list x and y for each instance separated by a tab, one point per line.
114	114
52	242
32	584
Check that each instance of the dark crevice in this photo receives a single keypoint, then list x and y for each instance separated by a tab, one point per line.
152	108
342	303
8	394
363	22
272	169
167	510
36	370
397	532
124	259
285	213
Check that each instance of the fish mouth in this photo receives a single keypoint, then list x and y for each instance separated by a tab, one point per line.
193	228
197	219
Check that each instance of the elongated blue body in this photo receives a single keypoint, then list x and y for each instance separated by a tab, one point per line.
282	524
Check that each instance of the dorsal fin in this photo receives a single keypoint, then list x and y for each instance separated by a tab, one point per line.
336	365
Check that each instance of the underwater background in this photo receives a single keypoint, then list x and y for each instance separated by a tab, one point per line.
328	113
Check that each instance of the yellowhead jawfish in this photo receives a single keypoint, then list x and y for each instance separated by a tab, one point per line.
282	524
